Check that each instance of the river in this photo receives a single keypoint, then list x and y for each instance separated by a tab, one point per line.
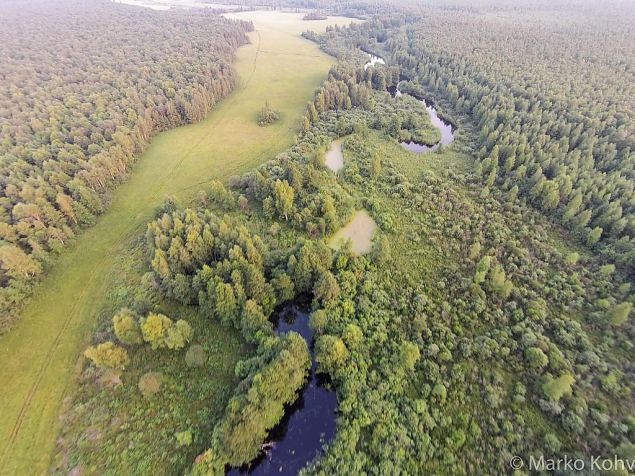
445	128
38	357
307	424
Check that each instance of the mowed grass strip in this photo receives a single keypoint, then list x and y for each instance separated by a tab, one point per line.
38	356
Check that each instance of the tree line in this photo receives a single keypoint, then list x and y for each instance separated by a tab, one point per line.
474	330
81	100
566	150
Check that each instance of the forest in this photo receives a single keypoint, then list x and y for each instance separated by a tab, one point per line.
80	101
561	140
490	318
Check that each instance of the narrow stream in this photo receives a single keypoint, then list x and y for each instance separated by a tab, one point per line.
445	128
307	424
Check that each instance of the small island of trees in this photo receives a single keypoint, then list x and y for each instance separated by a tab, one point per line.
267	115
314	16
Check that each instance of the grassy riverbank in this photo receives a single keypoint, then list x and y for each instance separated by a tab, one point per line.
38	356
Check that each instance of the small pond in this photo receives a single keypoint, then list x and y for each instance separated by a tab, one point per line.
359	230
334	159
307	424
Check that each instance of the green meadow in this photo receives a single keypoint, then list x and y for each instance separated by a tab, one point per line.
38	357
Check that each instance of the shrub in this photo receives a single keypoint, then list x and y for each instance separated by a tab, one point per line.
353	336
381	251
572	258
108	355
183	438
555	389
481	269
330	353
195	356
327	288
150	383
607	269
626	451
267	115
552	443
619	313
499	283
475	250
440	391
155	329
179	334
127	327
536	358
318	320
612	382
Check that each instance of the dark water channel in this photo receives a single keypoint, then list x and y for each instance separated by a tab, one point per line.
308	424
445	128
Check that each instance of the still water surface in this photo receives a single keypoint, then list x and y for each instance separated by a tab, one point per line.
308	424
445	128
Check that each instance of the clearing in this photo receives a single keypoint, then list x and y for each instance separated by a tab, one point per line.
359	230
334	159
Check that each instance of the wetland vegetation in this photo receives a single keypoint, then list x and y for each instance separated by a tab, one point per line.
311	297
359	231
102	266
334	159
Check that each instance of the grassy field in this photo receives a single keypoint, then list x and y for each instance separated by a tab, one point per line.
38	356
114	426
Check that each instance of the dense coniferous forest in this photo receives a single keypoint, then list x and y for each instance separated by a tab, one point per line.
84	87
552	103
490	318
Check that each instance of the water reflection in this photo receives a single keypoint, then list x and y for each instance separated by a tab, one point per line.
373	60
308	424
445	128
334	159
